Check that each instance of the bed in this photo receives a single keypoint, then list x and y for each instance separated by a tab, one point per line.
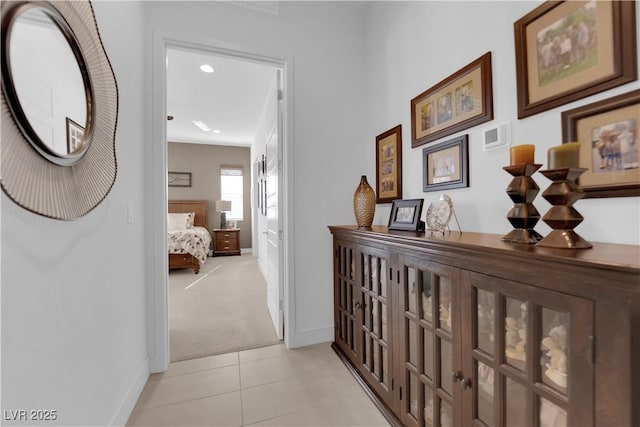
188	248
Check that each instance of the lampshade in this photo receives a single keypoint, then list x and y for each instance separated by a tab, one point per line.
223	205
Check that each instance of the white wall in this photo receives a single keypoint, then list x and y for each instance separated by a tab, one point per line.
73	295
323	45
413	45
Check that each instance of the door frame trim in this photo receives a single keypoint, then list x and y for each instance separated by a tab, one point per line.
156	199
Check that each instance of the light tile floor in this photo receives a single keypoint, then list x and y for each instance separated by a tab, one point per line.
269	386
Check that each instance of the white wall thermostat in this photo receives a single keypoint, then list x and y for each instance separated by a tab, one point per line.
497	136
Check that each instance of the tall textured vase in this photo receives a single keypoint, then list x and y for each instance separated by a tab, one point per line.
364	203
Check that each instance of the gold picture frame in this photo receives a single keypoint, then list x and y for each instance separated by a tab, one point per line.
389	165
461	101
568	50
608	133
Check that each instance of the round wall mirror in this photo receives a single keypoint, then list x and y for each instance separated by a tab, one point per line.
59	108
47	82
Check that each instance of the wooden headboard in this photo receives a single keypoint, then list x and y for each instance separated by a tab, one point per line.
200	207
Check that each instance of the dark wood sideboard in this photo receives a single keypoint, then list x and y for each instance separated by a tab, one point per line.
462	329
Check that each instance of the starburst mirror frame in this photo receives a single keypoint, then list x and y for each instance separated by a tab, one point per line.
64	187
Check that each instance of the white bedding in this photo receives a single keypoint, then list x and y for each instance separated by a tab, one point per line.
194	241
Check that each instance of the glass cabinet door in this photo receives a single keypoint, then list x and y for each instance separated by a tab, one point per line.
427	306
374	322
527	355
345	298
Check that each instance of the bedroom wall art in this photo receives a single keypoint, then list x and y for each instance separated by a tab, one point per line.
52	166
179	179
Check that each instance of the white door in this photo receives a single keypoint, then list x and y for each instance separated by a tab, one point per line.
275	287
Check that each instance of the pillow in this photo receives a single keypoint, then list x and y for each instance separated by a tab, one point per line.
177	221
191	216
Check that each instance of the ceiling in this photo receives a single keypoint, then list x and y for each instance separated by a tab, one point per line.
230	99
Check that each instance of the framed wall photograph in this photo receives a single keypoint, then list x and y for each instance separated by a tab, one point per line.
460	101
446	165
179	179
389	165
405	215
258	167
75	133
608	133
264	198
568	50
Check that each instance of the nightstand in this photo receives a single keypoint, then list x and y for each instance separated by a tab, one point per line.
226	241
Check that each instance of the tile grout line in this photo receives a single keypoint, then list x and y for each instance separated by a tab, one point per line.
165	380
297	376
192	372
300	410
188	400
240	384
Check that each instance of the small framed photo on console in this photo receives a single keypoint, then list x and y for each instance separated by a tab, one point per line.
405	215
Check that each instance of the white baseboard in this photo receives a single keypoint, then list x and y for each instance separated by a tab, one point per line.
246	250
312	336
129	402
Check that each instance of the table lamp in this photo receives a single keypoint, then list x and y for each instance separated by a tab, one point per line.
223	206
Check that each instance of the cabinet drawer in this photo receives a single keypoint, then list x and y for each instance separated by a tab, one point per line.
226	237
227	245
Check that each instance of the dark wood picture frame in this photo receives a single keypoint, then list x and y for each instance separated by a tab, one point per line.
258	167
259	195
264	196
389	165
461	101
179	179
580	79
446	165
619	117
405	215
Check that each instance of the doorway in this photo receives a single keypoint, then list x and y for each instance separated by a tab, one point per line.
159	318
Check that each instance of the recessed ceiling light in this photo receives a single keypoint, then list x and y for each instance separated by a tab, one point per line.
216	131
206	68
203	126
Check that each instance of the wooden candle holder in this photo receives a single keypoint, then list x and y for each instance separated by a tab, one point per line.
523	216
562	216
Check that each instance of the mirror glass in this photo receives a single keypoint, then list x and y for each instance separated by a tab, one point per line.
49	84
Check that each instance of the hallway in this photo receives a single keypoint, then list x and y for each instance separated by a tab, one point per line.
271	386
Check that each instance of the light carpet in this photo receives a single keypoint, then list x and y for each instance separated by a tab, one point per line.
220	310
